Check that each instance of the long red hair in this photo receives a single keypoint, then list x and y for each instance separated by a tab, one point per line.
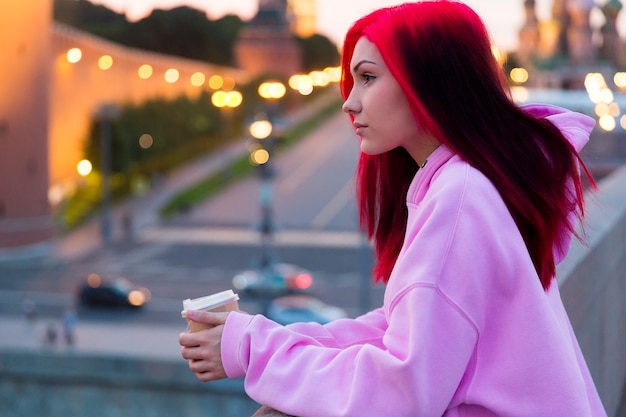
440	54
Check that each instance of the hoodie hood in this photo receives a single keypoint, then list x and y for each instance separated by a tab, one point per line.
576	127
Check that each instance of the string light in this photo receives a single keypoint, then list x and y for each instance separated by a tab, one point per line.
302	83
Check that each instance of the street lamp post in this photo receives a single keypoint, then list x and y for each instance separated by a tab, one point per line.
262	130
105	115
260	156
271	92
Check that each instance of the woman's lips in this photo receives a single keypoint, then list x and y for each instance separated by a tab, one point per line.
359	128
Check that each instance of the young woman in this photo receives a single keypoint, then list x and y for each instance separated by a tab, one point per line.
470	201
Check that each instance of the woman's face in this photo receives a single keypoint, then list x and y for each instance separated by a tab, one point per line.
382	117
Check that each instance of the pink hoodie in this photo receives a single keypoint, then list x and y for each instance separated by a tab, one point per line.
465	330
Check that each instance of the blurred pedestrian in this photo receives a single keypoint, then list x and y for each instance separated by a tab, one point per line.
29	309
51	335
127	226
470	201
69	327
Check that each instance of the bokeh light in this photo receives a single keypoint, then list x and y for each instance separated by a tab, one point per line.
105	62
260	129
226	99
198	79
216	82
520	94
607	123
136	298
319	78
84	168
146	141
94	280
171	75
620	80
259	156
519	75
74	55
272	90
145	71
229	84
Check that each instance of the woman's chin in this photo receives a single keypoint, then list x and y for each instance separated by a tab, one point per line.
370	150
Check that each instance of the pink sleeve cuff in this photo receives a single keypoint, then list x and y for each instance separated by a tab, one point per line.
235	356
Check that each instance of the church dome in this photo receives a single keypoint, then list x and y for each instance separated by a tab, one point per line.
612	7
581	4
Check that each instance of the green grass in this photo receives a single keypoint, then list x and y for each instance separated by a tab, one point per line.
206	188
85	202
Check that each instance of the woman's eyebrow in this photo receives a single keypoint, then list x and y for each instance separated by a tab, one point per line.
361	62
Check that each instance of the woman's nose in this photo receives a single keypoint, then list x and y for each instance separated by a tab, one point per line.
351	106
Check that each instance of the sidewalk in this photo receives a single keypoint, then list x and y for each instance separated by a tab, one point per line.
97	338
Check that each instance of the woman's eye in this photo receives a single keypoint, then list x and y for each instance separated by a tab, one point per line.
367	78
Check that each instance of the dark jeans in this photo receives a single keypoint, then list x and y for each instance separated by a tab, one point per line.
269	412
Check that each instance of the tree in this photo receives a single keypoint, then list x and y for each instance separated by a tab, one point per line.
318	52
181	31
95	19
186	32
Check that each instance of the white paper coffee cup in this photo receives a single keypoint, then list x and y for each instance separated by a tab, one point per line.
221	301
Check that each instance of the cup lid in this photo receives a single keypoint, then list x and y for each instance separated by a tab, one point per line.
209	302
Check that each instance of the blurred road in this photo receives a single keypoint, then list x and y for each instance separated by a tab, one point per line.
313	187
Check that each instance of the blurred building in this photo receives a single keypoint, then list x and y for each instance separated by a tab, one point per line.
563	49
54	80
303	17
24	95
267	46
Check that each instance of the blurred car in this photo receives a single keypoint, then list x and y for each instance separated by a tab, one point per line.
112	292
302	308
275	280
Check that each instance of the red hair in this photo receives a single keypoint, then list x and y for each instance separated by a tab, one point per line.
440	54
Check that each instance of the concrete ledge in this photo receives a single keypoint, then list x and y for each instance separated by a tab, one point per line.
53	384
592	281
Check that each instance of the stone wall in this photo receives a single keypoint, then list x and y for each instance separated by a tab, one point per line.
592	280
24	216
62	384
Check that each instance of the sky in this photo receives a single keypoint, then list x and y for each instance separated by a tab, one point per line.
502	17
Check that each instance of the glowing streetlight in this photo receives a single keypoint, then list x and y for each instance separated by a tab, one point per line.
74	55
261	129
272	90
260	155
229	99
84	168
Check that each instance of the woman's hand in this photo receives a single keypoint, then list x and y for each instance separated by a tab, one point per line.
203	348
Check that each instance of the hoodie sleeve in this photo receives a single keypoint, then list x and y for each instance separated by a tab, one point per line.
368	328
416	371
